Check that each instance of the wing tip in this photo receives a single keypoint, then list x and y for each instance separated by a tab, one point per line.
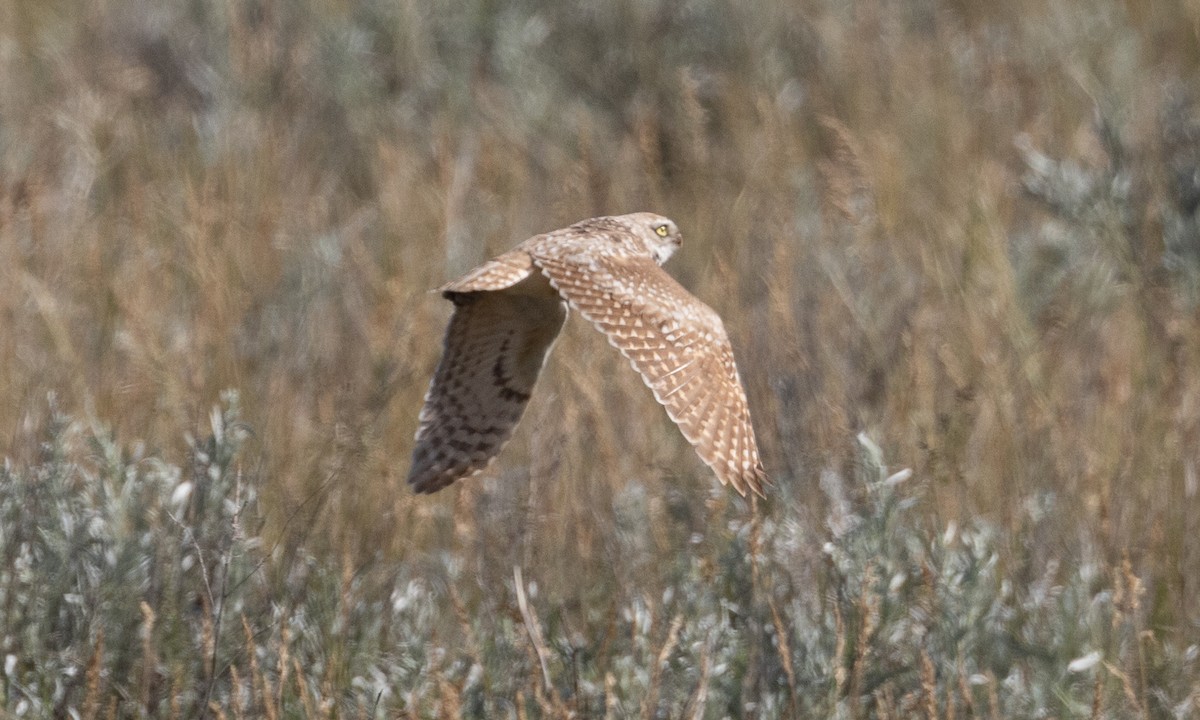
426	480
429	483
430	471
754	481
426	477
759	481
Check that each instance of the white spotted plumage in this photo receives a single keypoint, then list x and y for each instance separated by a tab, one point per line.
509	310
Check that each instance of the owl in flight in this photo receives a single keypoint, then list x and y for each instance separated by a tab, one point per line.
507	314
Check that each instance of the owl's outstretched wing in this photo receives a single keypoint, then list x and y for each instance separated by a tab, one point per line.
676	342
494	349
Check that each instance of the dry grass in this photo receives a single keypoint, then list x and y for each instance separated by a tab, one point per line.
967	229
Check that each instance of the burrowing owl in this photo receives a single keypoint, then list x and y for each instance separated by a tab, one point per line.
507	314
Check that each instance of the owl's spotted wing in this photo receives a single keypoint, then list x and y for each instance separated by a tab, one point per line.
495	346
677	343
499	273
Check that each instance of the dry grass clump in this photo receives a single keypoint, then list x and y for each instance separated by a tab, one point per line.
968	230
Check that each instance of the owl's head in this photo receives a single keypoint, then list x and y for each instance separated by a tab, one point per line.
659	234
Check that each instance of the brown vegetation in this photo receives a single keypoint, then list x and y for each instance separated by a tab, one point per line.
967	229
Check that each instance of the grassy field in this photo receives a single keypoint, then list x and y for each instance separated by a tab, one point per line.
956	245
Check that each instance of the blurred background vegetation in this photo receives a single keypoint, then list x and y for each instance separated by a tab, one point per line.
967	230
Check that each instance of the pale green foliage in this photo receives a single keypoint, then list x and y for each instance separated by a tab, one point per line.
93	534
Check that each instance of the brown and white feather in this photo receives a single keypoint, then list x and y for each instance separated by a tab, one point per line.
675	342
499	273
495	347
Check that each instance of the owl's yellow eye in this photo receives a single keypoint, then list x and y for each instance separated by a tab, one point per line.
661	230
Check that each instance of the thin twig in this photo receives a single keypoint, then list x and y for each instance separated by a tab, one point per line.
701	699
664	654
532	627
190	537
